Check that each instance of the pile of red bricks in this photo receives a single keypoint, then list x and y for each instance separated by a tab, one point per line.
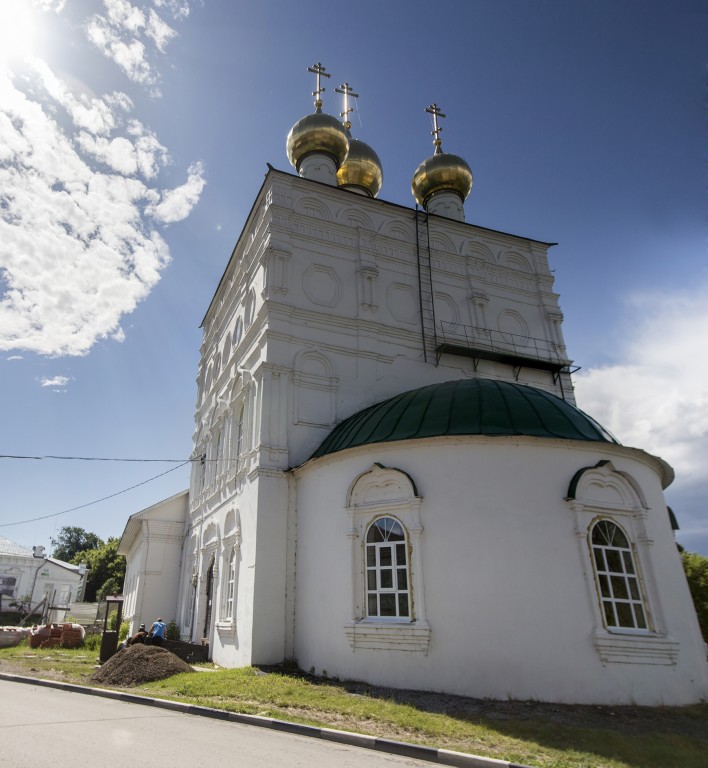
53	635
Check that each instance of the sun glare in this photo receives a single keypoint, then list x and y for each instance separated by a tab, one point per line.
17	26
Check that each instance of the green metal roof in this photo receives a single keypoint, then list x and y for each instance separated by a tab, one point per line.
465	407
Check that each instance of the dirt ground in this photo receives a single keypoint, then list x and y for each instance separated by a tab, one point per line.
139	664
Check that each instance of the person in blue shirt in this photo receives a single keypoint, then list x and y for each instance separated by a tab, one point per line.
157	632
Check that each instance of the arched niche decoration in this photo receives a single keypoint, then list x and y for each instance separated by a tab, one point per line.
322	285
315	388
314	208
377	493
513	327
446	310
353	217
604	487
515	260
210	536
398	230
477	250
440	242
232	525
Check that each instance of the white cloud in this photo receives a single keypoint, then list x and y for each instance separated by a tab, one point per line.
78	248
178	8
129	36
159	31
176	204
15	357
57	381
657	399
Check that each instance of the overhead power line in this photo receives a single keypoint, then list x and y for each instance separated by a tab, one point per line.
92	458
96	501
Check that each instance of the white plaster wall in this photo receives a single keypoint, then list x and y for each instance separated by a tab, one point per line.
507	578
152	545
37	577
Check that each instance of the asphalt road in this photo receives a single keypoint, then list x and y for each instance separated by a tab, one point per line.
46	727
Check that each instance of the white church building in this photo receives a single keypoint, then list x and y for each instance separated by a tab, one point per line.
390	478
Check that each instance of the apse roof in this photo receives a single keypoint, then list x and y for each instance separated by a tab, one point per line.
465	407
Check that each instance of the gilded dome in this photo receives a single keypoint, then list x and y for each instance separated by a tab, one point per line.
465	407
320	133
361	169
442	172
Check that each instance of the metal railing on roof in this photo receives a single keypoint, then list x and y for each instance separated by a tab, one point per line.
512	348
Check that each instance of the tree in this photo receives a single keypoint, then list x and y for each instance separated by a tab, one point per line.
696	568
106	570
71	540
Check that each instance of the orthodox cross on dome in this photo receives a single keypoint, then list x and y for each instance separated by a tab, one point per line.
319	71
434	110
346	90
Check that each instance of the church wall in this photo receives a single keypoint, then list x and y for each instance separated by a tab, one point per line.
507	585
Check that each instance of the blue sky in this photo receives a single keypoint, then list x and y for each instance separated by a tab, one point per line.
135	135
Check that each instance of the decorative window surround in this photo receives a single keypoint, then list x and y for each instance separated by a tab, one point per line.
388	635
602	492
379	492
624	648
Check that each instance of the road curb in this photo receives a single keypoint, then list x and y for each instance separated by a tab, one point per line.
430	754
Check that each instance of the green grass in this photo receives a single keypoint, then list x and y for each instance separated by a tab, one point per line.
639	737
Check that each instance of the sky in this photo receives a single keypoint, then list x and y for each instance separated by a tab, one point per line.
134	137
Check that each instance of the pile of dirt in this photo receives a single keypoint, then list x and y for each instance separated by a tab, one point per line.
139	664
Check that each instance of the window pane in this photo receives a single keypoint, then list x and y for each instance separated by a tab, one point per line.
614	562
628	564
604	586
371	557
395	532
400	554
386	578
641	618
599	559
403	605
619	588
388	605
625	618
372	606
385	556
599	533
634	589
374	534
371	581
402	578
609	613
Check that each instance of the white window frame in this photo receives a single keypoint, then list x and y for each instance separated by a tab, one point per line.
603	492
377	493
390	578
626	576
229	589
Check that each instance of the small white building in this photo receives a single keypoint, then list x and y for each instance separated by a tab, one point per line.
152	545
29	577
391	481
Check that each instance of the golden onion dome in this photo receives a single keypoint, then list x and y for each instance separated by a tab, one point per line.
443	172
317	133
361	169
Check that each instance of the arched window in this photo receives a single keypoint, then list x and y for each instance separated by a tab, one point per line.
387	590
238	332
238	444
230	586
250	308
618	582
218	455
